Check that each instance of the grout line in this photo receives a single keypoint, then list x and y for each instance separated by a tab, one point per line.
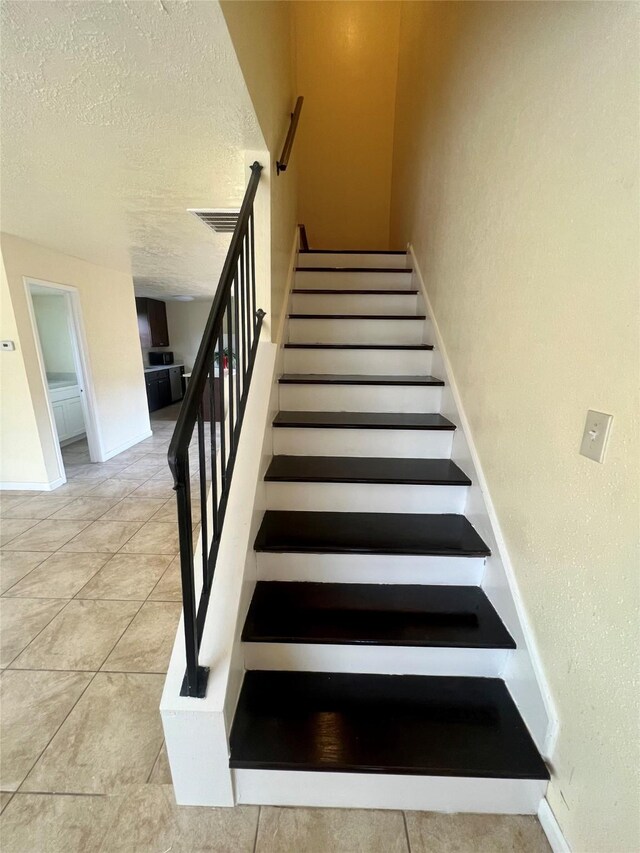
406	831
44	559
255	840
153	766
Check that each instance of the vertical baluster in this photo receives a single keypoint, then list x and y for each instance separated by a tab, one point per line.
183	499
236	310
230	345
213	412
223	435
247	290
202	476
242	311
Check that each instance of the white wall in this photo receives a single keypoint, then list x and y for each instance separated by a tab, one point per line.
115	360
516	180
186	321
52	319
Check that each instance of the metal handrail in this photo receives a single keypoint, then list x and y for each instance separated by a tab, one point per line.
283	162
234	306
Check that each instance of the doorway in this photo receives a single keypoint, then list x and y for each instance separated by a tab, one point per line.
56	320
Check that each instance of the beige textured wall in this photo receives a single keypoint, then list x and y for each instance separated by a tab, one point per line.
186	321
261	32
346	65
516	179
115	359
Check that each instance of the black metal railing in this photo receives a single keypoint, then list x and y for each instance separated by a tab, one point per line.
283	162
221	375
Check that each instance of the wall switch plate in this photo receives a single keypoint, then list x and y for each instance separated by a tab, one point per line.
8	346
596	433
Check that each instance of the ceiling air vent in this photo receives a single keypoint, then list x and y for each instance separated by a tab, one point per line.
221	220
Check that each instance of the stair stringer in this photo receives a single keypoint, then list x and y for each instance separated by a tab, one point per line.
523	672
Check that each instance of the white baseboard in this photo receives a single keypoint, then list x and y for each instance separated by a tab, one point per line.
109	454
35	487
551	828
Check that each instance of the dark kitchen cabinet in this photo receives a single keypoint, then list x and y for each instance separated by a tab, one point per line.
152	322
177	383
158	385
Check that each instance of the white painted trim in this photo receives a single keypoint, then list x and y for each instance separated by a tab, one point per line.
551	828
385	791
127	444
529	696
390	660
42	487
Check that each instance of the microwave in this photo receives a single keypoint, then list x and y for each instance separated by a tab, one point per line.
160	358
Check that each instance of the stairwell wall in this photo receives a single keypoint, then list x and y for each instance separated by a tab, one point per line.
515	178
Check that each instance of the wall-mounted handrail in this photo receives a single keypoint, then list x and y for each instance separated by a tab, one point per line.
283	162
235	317
304	240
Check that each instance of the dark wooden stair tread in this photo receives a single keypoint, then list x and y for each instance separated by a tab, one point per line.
362	420
360	292
355	379
368	533
356	269
365	469
357	317
361	346
404	724
374	614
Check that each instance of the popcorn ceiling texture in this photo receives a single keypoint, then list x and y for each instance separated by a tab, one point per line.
117	117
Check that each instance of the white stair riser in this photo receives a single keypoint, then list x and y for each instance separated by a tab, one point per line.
385	791
354	280
365	497
396	444
376	260
384	660
351	303
370	568
360	398
331	331
366	361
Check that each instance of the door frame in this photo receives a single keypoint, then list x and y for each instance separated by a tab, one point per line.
81	364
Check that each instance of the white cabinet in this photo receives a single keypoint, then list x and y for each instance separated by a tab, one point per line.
67	411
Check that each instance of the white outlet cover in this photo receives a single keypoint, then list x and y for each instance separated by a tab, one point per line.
9	346
596	433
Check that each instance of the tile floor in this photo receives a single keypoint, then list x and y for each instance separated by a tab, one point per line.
90	599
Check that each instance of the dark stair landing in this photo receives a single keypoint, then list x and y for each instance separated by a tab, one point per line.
374	614
445	535
365	469
406	724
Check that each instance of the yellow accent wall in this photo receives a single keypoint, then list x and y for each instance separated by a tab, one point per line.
346	67
515	177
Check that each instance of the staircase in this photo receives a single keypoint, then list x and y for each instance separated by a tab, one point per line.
373	656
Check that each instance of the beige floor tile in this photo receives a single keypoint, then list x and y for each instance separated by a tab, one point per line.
9	503
93	471
111	738
40	507
473	833
114	488
19	493
149	821
14	565
11	528
169	511
76	488
146	644
161	773
45	823
5	797
46	535
126	576
134	509
80	637
87	507
34	705
21	619
143	469
104	536
154	537
154	489
59	576
169	587
289	830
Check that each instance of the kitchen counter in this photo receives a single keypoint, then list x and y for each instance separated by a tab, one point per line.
153	367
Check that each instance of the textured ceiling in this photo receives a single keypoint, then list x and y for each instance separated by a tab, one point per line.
116	118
